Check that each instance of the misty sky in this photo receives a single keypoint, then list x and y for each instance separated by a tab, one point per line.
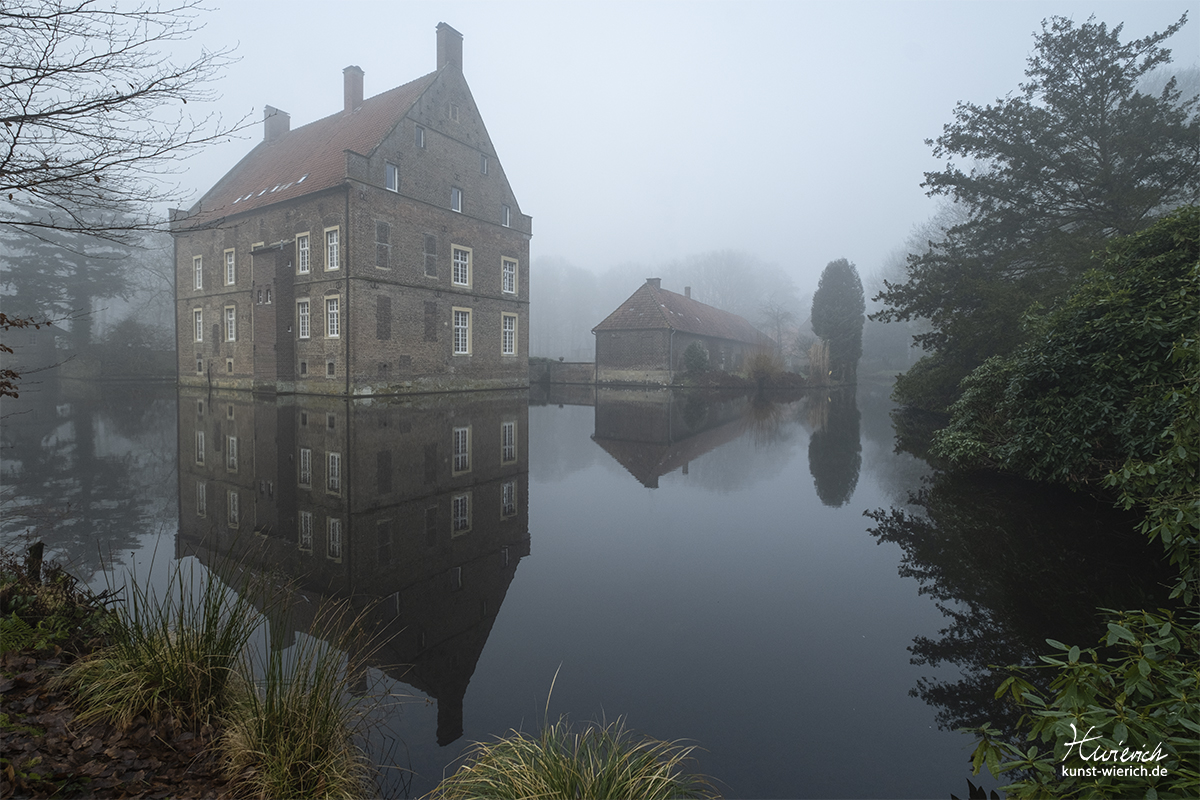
648	131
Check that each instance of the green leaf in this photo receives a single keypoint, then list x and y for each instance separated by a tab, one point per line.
1073	656
1118	633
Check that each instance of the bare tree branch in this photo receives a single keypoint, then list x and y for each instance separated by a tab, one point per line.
93	117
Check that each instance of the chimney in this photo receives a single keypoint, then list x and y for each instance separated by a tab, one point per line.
655	282
687	291
352	80
275	123
449	46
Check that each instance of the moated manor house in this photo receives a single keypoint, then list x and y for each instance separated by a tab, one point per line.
378	250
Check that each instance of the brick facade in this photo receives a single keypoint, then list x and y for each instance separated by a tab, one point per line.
644	340
428	238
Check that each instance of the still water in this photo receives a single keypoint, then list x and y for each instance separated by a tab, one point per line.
702	566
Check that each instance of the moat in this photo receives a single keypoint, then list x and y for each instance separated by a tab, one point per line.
701	565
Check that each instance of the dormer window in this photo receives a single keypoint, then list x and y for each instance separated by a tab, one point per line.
392	180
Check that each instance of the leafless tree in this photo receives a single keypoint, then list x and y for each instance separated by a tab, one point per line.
93	101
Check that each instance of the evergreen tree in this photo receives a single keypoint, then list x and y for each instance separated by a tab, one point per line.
58	275
837	317
1078	156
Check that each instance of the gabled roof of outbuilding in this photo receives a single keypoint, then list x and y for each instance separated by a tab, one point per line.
653	308
307	159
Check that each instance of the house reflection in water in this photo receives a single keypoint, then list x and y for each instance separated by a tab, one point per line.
414	508
653	432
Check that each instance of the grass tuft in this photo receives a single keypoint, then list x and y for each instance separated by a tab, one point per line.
597	761
171	655
292	734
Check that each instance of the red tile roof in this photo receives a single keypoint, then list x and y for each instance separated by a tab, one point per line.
307	159
654	308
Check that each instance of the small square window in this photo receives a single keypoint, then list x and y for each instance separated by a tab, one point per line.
392	179
456	199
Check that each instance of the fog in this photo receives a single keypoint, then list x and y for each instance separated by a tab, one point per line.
641	135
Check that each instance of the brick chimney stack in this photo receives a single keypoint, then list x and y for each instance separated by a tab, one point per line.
449	46
687	291
352	80
655	282
275	123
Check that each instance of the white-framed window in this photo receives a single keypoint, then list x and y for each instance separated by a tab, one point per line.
230	268
231	323
333	473
200	448
508	442
333	255
305	477
419	137
201	499
392	177
462	331
306	531
508	334
303	254
234	509
505	215
456	199
303	319
197	272
483	164
462	450
231	453
460	514
333	320
460	262
334	548
198	324
508	275
508	503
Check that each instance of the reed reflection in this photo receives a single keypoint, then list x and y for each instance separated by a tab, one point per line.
415	510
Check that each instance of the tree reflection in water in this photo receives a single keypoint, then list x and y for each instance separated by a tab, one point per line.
87	469
1010	564
835	449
